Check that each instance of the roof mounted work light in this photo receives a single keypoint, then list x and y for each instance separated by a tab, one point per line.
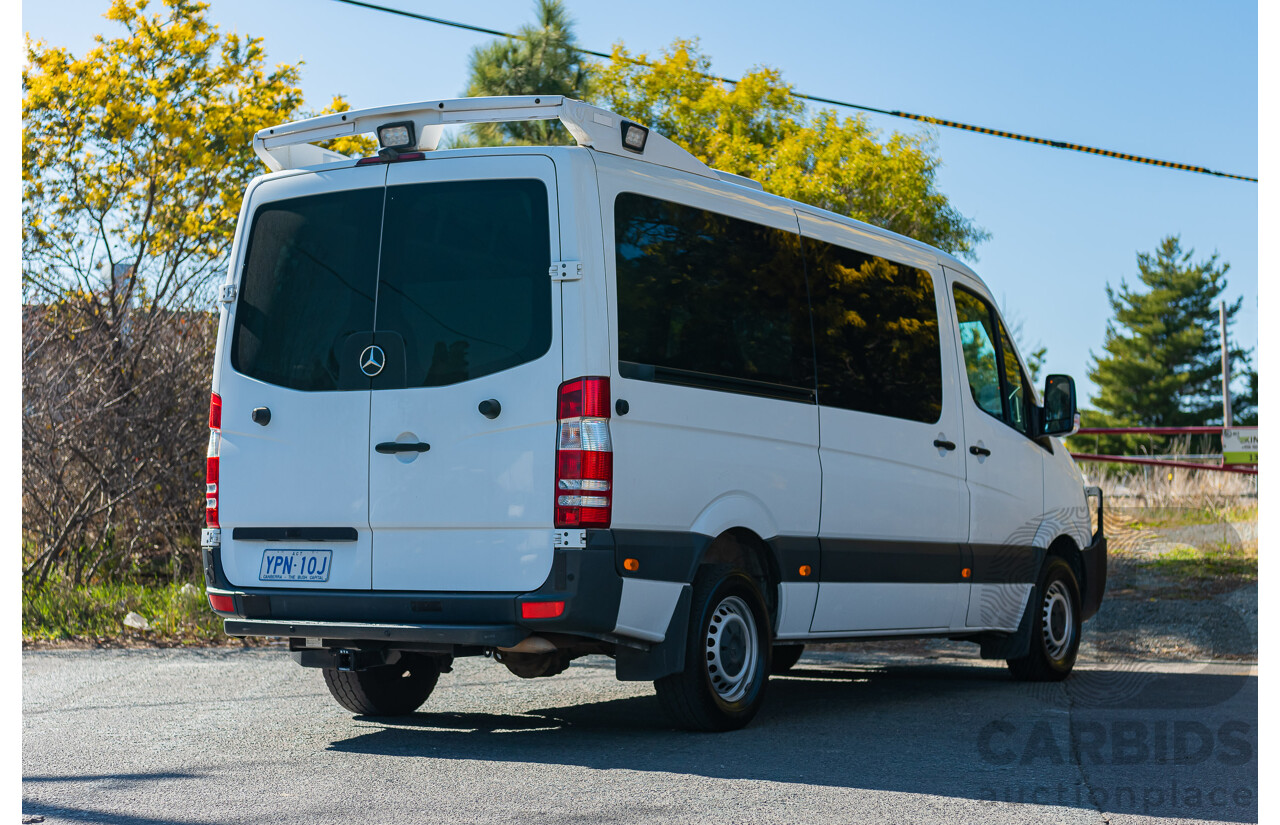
634	136
395	138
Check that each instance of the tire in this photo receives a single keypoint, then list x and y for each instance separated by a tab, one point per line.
727	657
389	690
1055	627
785	657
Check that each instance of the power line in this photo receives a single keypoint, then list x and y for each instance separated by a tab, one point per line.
937	121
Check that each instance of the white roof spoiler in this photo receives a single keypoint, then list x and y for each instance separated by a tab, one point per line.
289	146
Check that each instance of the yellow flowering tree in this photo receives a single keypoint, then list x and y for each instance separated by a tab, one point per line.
135	156
757	128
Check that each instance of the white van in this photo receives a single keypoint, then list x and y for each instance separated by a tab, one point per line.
539	402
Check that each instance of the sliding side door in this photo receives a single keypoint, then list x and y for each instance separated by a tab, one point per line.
894	502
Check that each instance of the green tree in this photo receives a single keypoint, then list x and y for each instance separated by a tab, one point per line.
543	60
1244	408
757	128
1162	364
134	160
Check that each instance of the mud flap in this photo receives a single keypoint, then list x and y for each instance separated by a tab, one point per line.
664	658
1011	645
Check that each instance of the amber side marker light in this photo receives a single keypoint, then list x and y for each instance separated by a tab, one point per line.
966	573
806	571
631	564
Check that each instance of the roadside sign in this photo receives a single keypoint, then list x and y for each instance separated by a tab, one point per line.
1240	445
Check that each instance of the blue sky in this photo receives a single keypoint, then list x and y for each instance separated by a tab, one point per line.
1171	80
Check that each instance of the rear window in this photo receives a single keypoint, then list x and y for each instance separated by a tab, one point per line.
310	276
464	283
456	289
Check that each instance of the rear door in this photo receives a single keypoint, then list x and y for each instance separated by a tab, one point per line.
295	488
466	314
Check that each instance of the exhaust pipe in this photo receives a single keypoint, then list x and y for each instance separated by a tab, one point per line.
531	644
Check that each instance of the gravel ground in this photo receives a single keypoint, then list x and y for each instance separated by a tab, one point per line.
1155	614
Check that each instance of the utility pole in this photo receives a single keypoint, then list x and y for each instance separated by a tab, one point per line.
1226	366
121	283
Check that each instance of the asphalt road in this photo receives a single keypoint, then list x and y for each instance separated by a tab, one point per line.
221	736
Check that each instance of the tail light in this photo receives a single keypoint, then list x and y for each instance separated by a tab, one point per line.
211	461
584	454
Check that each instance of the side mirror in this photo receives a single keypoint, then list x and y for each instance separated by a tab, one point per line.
1060	415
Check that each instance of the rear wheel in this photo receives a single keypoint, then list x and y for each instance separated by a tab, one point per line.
785	657
389	690
727	658
1055	627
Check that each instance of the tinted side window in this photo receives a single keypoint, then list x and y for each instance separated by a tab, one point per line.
978	341
1014	387
876	328
709	300
308	286
464	289
995	377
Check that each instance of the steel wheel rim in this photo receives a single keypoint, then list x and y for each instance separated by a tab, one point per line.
1057	622
732	649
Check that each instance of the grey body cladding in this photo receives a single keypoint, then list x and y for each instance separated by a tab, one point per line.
674	556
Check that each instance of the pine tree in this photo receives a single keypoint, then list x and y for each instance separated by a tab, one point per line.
544	60
1162	365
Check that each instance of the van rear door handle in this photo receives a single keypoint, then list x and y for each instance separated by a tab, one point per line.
976	450
397	447
944	445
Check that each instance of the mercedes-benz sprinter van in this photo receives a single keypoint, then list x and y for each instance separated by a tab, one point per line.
535	403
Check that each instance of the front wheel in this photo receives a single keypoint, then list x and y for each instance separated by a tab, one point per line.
389	690
1055	627
727	658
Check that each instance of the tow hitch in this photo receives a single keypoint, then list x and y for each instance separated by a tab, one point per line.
346	659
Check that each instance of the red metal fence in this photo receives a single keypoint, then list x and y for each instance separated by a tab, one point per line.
1159	462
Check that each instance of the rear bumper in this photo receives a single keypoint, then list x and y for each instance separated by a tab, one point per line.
584	579
445	636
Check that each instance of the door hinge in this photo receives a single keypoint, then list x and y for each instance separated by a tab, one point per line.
228	293
569	538
565	270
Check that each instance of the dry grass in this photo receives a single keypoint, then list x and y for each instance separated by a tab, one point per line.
1179	533
1174	487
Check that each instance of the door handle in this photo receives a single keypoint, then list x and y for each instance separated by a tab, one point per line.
944	445
389	447
976	450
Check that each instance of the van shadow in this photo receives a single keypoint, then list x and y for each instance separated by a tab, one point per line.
922	729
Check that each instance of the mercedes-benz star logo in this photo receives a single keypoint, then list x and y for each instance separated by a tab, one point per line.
372	360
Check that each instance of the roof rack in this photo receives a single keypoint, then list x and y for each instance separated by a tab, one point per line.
290	145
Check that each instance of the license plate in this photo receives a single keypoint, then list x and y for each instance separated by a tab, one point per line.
295	565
